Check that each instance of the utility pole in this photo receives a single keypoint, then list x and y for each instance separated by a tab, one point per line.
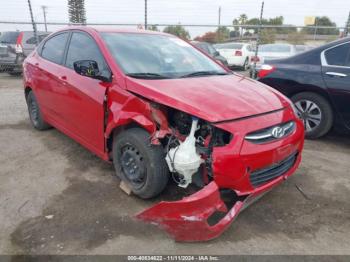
145	14
219	23
33	23
258	39
347	25
44	12
315	33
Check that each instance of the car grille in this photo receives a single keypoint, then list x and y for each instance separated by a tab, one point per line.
267	174
271	133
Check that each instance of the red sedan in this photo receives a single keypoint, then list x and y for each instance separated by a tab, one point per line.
159	108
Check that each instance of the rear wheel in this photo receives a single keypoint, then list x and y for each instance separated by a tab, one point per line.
316	113
139	163
35	114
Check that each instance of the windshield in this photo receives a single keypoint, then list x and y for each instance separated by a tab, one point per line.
275	48
9	37
158	56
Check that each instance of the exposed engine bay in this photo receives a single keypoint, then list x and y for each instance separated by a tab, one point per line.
214	185
189	147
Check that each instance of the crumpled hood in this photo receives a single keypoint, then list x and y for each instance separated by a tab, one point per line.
212	98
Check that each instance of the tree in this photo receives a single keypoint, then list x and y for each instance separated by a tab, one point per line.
153	28
76	11
210	37
177	30
277	21
223	33
297	38
323	21
267	36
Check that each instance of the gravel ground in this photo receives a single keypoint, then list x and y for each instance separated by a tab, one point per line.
58	198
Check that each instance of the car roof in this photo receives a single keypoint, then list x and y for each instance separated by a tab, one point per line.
113	30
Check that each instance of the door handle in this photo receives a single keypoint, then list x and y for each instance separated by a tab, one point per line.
64	80
336	74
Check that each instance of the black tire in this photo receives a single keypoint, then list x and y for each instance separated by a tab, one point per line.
35	114
152	173
326	119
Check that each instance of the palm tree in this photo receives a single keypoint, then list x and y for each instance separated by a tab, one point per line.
242	19
76	11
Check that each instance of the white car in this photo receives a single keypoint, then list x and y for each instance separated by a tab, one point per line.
271	52
236	54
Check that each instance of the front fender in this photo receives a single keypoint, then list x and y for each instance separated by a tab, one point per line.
134	110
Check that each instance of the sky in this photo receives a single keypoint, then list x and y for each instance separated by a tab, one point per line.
173	11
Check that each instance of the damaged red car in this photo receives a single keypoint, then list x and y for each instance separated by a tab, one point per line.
162	110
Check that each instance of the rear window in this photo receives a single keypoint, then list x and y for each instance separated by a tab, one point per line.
338	55
53	49
229	46
275	48
9	37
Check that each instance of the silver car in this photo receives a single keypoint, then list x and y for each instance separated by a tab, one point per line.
15	46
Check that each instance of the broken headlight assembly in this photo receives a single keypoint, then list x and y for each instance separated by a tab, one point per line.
190	145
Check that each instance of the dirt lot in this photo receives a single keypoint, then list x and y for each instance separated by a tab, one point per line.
58	198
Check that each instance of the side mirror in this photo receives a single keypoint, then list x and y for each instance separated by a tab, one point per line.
89	68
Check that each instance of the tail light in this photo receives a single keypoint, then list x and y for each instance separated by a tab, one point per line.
19	46
238	53
265	70
255	59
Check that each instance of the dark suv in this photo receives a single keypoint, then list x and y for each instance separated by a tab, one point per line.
15	46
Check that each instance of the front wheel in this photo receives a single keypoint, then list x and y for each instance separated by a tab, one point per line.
316	113
139	163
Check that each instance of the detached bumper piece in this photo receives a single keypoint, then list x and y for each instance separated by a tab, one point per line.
188	219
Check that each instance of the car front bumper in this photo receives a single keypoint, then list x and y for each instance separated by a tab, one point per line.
190	219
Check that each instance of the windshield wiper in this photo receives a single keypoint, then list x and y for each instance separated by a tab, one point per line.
204	73
147	75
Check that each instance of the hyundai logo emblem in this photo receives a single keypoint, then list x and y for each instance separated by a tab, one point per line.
277	132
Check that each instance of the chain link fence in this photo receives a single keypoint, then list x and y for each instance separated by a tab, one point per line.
16	44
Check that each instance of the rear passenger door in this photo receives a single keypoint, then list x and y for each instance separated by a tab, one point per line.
48	68
336	74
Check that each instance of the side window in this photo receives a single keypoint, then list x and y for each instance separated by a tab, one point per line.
53	49
338	55
83	47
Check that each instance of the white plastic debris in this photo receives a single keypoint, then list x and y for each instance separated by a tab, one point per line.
184	159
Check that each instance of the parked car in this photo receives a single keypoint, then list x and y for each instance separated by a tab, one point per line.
210	50
270	52
15	46
236	54
153	104
318	82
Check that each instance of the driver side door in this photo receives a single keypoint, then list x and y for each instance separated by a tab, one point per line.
82	103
